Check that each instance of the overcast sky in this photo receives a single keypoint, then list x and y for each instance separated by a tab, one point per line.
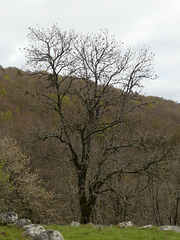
153	23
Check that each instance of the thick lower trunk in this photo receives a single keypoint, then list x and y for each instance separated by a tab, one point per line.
86	207
85	202
86	212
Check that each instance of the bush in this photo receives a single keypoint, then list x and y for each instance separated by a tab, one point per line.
23	191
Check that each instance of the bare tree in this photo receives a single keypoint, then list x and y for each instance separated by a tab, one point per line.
90	85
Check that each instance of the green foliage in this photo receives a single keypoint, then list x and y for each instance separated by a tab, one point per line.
6	116
5	185
136	102
65	100
150	106
7	77
17	109
3	92
19	73
4	176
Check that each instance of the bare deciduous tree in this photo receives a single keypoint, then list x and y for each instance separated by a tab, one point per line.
89	85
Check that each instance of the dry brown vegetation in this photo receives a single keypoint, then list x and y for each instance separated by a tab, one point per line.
149	195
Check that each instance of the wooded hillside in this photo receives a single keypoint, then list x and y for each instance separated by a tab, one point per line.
141	180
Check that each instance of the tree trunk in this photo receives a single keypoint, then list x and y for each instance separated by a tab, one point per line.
84	208
176	222
86	202
86	212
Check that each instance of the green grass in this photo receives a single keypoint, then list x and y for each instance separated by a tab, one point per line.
95	233
113	233
10	233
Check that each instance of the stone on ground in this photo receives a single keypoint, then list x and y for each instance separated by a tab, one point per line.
169	228
125	224
49	235
8	217
75	224
33	230
22	222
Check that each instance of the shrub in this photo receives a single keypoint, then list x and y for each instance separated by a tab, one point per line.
24	192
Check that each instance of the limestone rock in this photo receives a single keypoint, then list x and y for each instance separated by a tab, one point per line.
90	224
22	222
169	228
125	224
49	235
8	217
147	226
33	230
75	224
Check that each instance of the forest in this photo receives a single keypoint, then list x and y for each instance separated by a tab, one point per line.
76	143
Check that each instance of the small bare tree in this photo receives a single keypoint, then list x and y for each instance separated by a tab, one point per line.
90	85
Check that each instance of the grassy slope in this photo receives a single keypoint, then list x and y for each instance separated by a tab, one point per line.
96	233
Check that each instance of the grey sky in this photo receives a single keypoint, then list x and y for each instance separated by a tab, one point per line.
154	23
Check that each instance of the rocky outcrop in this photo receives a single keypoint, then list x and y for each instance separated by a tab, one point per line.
35	231
8	217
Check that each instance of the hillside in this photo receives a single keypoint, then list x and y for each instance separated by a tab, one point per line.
146	186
